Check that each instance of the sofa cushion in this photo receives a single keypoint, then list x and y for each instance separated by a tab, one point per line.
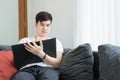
77	64
7	68
109	56
5	47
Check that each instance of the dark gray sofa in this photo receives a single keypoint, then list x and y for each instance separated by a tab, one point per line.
82	63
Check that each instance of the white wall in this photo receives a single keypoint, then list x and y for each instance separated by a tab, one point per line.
8	21
63	12
117	20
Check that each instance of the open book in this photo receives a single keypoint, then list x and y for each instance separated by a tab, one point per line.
22	57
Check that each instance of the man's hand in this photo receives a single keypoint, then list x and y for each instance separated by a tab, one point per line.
35	49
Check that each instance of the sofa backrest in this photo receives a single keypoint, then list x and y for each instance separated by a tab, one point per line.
5	47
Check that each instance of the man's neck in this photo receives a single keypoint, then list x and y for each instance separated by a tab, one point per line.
41	38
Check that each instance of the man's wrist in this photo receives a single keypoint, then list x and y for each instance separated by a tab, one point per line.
44	56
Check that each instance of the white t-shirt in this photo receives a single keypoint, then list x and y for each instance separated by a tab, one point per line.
59	48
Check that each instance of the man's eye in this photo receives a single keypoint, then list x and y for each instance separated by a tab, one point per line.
42	24
48	25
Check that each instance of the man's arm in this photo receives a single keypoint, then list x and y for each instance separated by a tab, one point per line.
55	62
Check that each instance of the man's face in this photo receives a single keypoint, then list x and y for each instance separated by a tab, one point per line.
43	28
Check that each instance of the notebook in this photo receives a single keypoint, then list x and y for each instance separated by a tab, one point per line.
22	57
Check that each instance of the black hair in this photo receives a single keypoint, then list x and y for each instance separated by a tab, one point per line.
43	16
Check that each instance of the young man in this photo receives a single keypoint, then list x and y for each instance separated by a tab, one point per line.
45	70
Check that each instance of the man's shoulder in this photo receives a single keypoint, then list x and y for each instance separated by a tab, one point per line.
25	39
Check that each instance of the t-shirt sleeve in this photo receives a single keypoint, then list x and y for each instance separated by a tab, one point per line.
59	46
23	40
